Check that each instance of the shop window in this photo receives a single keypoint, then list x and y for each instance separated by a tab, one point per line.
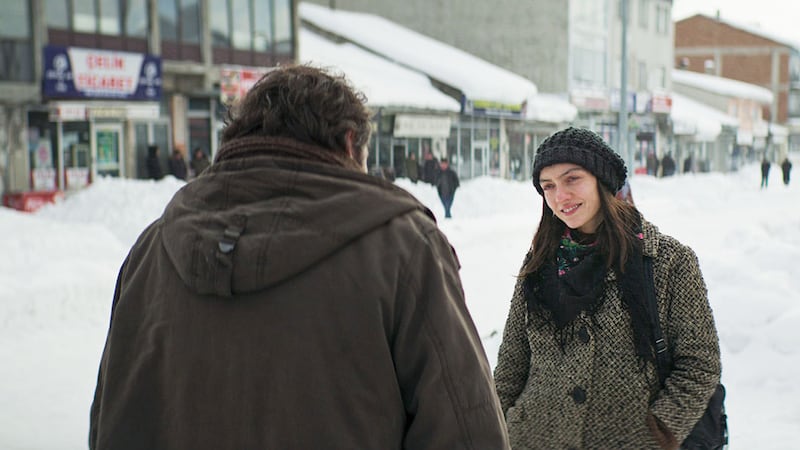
107	24
283	27
42	152
262	29
56	13
241	38
136	18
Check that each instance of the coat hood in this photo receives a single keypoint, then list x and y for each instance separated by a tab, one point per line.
253	221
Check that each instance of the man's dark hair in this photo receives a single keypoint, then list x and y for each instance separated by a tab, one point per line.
303	103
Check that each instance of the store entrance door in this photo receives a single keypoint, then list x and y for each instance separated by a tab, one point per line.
108	145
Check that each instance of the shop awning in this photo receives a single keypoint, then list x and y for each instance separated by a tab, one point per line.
384	83
692	118
477	79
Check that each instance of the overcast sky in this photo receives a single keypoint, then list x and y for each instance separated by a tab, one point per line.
777	16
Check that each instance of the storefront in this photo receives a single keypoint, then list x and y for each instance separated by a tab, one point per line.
101	112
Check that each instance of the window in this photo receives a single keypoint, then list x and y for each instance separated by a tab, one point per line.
588	67
794	103
642	75
57	14
644	12
136	18
15	21
240	13
110	20
16	63
168	19
220	33
283	26
190	21
84	16
262	29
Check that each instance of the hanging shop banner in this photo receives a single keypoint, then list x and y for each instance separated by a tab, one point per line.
418	126
490	108
85	73
234	82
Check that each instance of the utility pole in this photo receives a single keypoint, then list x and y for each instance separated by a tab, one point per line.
622	124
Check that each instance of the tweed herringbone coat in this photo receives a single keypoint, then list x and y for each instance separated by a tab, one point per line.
593	394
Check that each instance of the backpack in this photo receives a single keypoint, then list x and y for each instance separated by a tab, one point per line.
711	431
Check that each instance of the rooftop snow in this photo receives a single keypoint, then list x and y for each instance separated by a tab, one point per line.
474	77
722	86
383	82
690	117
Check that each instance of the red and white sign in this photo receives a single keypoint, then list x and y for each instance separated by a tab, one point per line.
236	81
105	72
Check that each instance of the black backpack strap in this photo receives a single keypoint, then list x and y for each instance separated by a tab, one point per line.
663	362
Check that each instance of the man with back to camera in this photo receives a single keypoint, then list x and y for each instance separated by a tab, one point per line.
287	300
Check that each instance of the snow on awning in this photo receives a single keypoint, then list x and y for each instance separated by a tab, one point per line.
690	117
476	78
550	108
722	86
383	82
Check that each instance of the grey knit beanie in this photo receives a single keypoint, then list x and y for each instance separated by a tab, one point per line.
584	148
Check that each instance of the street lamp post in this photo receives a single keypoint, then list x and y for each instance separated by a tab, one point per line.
622	121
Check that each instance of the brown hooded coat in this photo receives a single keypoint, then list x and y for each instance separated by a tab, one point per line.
284	303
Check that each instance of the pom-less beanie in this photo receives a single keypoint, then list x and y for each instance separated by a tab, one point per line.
584	148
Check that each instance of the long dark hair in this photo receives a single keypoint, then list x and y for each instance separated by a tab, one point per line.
616	235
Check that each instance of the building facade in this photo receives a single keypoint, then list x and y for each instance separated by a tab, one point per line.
87	85
715	46
569	48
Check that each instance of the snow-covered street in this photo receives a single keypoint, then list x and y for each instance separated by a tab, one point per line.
58	268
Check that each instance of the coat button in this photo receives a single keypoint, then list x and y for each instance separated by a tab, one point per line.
583	334
579	395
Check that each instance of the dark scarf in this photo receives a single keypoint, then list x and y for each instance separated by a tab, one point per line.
559	292
282	147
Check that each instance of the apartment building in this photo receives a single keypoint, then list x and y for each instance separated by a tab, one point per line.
720	47
87	85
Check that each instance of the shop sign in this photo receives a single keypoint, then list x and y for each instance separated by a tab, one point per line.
77	177
234	82
44	178
589	100
74	72
660	104
419	126
490	108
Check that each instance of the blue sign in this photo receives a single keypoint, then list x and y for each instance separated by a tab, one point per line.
84	73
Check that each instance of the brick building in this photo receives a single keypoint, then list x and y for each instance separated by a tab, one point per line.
730	50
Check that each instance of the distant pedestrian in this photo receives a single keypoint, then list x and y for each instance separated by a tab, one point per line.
446	184
764	172
786	168
429	167
153	163
177	166
687	164
667	166
199	162
412	167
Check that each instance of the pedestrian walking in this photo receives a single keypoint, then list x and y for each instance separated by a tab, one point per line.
446	185
153	163
177	166
765	165
288	300
786	168
576	366
412	167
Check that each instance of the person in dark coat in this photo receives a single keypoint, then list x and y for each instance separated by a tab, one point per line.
153	163
786	168
667	166
177	166
288	300
765	166
412	167
199	162
429	167
576	365
446	185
